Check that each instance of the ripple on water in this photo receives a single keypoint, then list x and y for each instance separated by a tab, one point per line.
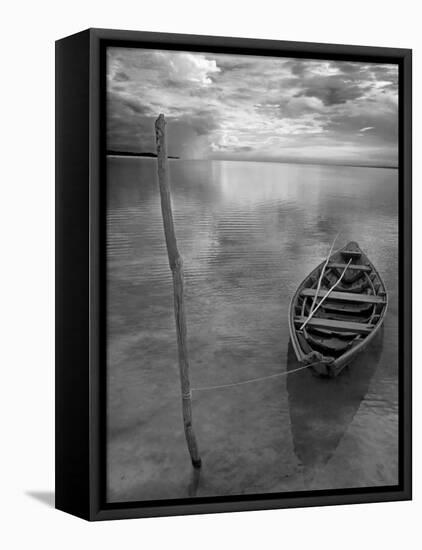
248	234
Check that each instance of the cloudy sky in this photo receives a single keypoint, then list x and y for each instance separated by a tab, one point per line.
258	108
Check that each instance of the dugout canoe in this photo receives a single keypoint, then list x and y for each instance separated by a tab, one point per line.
335	317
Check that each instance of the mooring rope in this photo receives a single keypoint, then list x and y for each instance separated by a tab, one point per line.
205	388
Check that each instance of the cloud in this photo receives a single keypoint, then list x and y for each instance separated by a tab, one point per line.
233	106
121	102
192	68
121	76
332	90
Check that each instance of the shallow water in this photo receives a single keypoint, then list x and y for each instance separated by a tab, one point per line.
248	234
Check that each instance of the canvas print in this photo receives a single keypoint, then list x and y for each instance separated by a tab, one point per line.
252	275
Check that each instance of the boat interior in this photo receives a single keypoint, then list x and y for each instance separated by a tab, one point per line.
339	304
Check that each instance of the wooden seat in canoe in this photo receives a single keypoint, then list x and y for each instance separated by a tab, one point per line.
352	250
337	326
359	267
347	308
322	314
344	296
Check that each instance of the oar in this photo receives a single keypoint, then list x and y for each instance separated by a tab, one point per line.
322	274
325	297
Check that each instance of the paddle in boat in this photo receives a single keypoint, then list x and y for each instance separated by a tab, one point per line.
337	311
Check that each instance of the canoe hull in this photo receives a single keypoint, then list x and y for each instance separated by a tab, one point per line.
328	343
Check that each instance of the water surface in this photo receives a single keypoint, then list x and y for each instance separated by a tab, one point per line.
248	234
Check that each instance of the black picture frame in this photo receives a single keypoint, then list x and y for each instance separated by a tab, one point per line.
80	273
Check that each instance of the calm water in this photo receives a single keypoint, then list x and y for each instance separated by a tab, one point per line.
248	234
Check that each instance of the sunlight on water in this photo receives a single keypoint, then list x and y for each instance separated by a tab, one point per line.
248	234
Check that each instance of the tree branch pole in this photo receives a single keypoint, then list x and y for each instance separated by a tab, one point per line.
176	266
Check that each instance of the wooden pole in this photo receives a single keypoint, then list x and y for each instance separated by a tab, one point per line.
176	266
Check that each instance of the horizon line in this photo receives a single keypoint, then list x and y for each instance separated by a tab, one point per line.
310	162
152	156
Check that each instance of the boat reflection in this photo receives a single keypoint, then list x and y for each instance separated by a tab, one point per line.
322	409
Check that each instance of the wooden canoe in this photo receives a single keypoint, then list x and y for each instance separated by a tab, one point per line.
345	319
